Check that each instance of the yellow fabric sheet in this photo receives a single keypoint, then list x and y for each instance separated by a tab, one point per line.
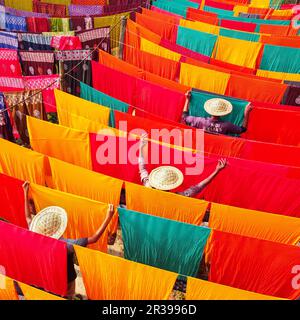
112	278
239	52
165	204
151	47
260	3
7	289
283	13
204	79
278	75
60	142
204	290
256	224
200	26
80	114
31	293
25	5
85	216
21	163
239	9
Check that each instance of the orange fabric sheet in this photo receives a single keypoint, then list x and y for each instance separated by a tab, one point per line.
85	216
164	204
7	289
31	293
112	278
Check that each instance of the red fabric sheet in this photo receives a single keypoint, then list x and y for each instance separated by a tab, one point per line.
237	25
220	5
9	63
202	16
137	92
255	265
33	259
38	25
12	201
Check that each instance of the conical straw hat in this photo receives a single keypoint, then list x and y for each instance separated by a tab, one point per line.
51	222
218	107
166	178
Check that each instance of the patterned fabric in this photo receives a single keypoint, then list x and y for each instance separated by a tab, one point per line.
38	24
79	10
81	23
11	83
15	23
37	62
82	72
8	40
66	43
9	63
22	13
54	10
5	125
92	38
33	42
2	17
60	24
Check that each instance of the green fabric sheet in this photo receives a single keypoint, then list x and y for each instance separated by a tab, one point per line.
163	243
248	36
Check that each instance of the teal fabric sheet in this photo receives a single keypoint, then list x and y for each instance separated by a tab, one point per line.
198	99
197	41
93	95
248	36
178	7
280	59
163	243
257	21
218	11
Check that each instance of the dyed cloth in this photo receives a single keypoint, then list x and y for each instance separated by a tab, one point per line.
48	84
9	63
66	43
34	259
5	124
31	293
255	224
80	114
19	5
292	96
162	67
85	10
204	78
144	94
275	261
174	207
54	10
8	40
36	24
7	289
35	42
96	38
59	24
81	23
255	90
37	62
199	98
241	35
162	243
68	61
23	105
59	142
68	178
277	58
12	210
236	51
198	41
8	84
199	15
93	95
204	290
22	163
85	216
15	23
200	26
111	278
236	25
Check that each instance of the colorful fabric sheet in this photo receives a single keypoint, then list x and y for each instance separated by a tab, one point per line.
203	290
7	289
253	272
165	205
37	63
162	243
111	278
80	114
35	42
256	224
85	216
34	259
22	163
59	142
8	40
31	293
9	63
12	210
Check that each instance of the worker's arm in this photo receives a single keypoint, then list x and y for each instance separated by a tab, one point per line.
101	230
28	217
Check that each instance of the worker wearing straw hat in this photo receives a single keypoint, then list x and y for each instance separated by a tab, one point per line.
216	108
52	222
167	178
